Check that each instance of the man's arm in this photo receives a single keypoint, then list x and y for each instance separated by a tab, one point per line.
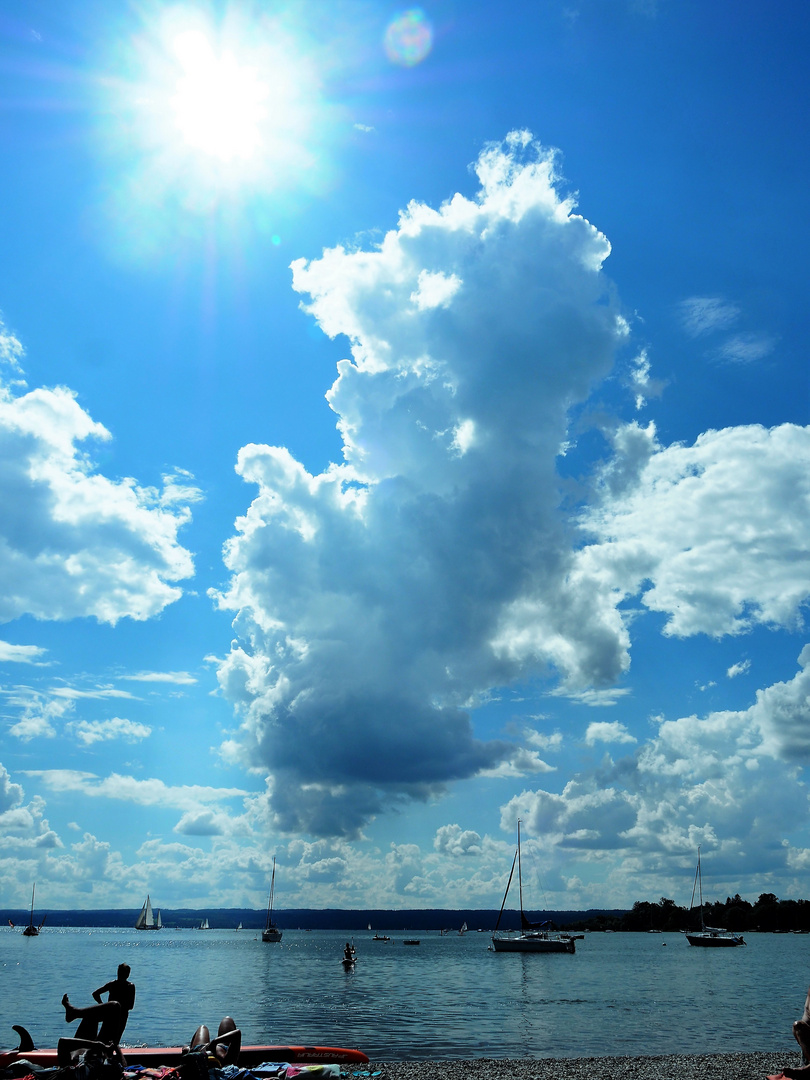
101	990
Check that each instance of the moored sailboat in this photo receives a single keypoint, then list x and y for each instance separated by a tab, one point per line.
32	930
709	936
147	920
271	932
533	937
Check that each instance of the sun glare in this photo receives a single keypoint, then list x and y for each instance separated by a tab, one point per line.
219	109
220	105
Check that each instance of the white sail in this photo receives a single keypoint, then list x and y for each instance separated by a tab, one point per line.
146	920
159	922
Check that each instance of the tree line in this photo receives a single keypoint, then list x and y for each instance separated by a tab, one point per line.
769	914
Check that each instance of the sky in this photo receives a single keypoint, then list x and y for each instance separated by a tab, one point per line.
403	433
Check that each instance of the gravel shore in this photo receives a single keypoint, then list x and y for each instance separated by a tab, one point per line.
667	1067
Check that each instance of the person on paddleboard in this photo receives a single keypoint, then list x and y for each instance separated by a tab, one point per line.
112	1014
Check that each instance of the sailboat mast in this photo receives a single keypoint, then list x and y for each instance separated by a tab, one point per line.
520	877
700	880
33	890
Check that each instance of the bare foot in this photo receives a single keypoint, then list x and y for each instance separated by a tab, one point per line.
70	1012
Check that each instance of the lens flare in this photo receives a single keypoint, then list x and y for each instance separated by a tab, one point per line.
409	38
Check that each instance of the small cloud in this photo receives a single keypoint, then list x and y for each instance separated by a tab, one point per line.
745	348
434	290
181	678
36	726
738	669
93	731
364	127
101	692
452	840
595	698
703	314
607	732
20	654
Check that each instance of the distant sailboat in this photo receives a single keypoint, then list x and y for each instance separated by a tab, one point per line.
31	930
271	932
463	928
709	936
146	920
239	927
204	924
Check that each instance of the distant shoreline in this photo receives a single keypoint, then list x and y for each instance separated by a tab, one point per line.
731	1066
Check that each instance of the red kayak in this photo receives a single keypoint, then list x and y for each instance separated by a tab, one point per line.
249	1056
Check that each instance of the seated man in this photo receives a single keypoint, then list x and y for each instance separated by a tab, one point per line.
801	1033
119	992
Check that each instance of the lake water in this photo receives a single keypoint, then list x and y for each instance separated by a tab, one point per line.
448	997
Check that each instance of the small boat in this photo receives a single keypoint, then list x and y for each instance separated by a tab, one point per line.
204	924
463	928
32	930
239	927
151	1056
709	936
271	932
533	937
410	941
381	937
146	920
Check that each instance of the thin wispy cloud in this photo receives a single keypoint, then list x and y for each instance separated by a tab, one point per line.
701	315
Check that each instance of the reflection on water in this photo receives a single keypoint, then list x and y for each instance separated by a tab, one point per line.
449	998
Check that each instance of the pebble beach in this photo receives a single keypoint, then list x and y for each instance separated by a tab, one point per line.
754	1066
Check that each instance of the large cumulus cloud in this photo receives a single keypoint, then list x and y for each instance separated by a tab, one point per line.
74	542
376	602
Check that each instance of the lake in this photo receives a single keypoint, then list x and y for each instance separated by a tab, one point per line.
448	997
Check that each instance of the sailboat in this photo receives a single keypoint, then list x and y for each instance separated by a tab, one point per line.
533	937
31	930
146	920
271	932
204	924
463	928
709	936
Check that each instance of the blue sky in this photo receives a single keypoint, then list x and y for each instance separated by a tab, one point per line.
403	427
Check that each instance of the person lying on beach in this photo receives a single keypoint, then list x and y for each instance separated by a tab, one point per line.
93	1059
224	1048
119	992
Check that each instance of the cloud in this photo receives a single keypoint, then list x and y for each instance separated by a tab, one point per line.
150	792
453	840
72	541
375	601
100	692
745	348
181	678
704	314
607	732
39	713
739	668
714	535
20	654
93	731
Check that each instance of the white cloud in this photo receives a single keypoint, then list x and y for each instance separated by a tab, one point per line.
150	792
72	541
607	732
746	348
20	654
453	840
376	600
704	314
93	731
181	678
715	535
739	668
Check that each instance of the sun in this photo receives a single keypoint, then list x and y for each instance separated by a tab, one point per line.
220	106
218	109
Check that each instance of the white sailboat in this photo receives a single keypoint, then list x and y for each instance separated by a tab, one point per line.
709	936
147	920
204	924
533	937
463	928
271	932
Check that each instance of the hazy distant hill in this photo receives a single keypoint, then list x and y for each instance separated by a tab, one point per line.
303	918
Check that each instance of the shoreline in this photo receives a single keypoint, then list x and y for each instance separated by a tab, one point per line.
730	1066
